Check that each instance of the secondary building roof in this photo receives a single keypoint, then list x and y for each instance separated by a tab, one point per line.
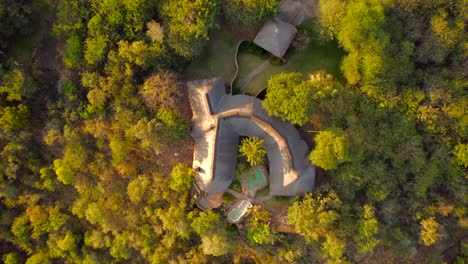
220	119
276	36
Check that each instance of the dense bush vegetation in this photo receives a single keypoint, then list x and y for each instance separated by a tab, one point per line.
90	144
249	13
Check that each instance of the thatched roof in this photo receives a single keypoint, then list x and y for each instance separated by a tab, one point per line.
217	134
276	36
209	201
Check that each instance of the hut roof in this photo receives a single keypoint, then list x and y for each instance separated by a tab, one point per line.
276	36
216	131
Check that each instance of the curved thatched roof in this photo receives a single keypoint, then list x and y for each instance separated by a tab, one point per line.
217	134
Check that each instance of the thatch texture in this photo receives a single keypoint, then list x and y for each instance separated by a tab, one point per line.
216	134
276	36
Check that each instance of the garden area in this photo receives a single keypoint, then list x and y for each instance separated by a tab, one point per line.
307	54
216	59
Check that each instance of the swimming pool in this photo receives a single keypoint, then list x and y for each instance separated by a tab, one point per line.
255	180
238	210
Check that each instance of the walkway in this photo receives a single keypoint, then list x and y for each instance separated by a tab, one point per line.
294	12
246	81
256	200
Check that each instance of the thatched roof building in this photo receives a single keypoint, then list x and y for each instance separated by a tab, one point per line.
276	36
220	119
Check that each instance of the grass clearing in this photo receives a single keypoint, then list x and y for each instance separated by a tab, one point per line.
216	59
310	56
247	63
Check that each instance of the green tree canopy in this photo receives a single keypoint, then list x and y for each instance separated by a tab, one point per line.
137	188
38	258
16	84
189	23
181	177
14	117
331	13
461	152
367	230
253	150
365	40
73	56
249	13
333	249
288	97
430	231
259	229
11	258
212	230
316	215
330	150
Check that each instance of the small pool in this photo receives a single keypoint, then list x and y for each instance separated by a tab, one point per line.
254	181
238	210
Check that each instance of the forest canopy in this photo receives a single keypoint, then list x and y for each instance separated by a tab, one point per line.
95	163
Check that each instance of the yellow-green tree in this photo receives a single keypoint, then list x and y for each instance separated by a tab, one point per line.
289	98
317	218
181	177
368	229
259	229
189	23
330	150
212	230
253	150
246	14
430	231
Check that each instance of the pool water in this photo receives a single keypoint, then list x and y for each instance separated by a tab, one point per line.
238	211
255	180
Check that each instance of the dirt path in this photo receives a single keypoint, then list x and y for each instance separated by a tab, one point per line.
245	82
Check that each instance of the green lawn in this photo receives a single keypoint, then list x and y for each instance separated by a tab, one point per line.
247	63
312	57
216	59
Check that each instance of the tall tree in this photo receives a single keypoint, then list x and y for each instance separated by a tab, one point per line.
189	23
331	149
253	150
247	14
212	230
331	12
289	98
